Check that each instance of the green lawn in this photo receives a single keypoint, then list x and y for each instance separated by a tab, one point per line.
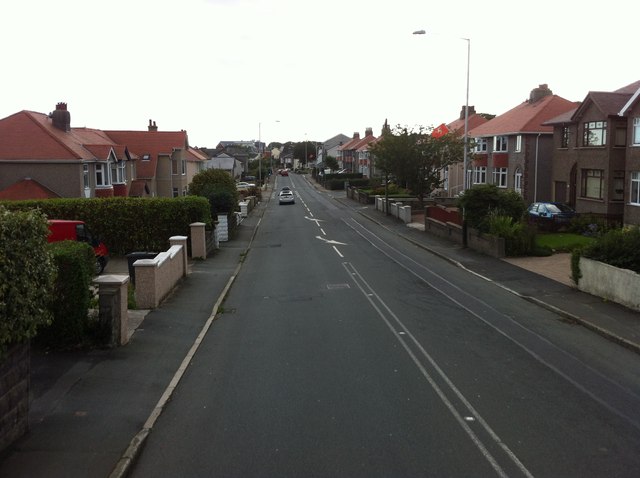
562	241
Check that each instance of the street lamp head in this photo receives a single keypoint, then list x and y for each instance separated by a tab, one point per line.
419	32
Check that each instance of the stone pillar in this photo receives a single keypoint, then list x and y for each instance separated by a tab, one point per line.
113	314
198	240
146	288
181	241
244	208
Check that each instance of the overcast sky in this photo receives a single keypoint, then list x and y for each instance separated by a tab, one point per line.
290	70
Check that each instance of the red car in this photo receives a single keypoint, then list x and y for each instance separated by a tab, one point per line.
62	230
284	172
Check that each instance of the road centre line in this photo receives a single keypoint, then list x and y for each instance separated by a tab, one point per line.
373	297
338	252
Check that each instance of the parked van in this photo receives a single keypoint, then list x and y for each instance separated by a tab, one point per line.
66	230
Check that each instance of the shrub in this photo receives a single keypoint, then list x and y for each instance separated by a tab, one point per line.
70	301
517	235
27	275
478	202
618	248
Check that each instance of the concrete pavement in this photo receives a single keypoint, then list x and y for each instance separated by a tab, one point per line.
91	411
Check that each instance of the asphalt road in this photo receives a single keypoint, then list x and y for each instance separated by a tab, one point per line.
346	351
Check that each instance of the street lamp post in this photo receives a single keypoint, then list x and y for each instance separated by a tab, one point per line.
465	184
260	154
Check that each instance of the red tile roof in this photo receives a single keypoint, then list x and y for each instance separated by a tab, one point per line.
32	136
153	143
475	120
527	117
27	189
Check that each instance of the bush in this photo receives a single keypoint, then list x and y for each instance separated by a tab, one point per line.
27	276
519	238
70	301
590	225
479	201
618	248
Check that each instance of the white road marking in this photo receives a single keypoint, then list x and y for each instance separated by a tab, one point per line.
330	241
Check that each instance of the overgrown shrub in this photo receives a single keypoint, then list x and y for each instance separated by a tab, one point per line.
590	225
71	296
618	248
478	201
27	276
519	238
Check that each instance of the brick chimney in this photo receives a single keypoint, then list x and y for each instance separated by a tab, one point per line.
368	132
540	92
472	111
61	118
356	135
152	126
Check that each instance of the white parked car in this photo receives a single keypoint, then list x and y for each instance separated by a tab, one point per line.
240	186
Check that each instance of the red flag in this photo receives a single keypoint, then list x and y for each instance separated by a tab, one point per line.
440	131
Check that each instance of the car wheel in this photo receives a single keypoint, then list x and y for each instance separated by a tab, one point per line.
100	265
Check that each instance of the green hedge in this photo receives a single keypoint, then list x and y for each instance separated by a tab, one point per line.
618	247
71	296
127	224
27	275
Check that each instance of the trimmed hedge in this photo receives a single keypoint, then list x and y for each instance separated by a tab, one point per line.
70	300
127	224
27	275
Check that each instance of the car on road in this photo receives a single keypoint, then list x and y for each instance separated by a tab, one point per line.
284	172
286	197
551	215
244	186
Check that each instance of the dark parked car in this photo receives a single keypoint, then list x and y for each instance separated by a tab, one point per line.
551	215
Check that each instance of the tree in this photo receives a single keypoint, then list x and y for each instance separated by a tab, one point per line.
305	150
415	157
332	163
218	187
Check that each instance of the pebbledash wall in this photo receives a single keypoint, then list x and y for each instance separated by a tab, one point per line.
611	283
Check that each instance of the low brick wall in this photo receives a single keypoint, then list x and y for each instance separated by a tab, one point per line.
156	277
609	282
490	245
14	394
446	230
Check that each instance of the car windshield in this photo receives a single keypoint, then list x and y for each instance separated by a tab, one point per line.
558	208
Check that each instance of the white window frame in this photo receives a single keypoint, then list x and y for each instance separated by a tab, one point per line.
636	131
518	143
500	177
517	181
480	175
634	197
481	146
500	144
102	175
118	172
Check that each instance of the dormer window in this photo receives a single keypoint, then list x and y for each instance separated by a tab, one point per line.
146	157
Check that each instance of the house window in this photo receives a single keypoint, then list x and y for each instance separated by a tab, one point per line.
118	172
500	177
635	188
564	139
621	137
146	157
517	181
592	183
176	192
595	133
102	175
500	144
636	131
174	167
482	145
618	186
184	167
85	176
480	175
518	143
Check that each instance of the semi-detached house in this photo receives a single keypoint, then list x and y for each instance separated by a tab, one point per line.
514	149
596	157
